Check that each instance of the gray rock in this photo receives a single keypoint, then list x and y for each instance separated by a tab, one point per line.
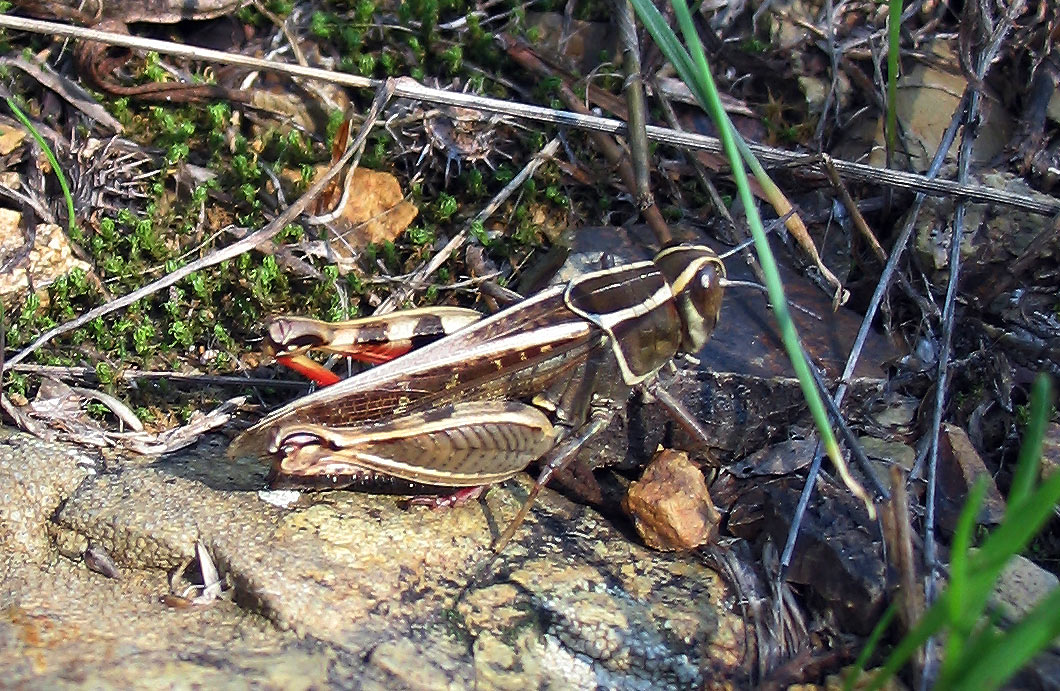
339	589
34	479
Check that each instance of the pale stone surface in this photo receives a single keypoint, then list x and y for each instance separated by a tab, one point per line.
50	257
340	588
1023	584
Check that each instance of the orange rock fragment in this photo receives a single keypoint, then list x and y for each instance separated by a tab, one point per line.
670	505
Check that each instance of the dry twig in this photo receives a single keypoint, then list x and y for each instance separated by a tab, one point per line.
248	243
418	280
409	88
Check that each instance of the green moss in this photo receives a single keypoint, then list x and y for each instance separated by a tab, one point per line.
248	14
474	183
445	207
754	46
219	310
453	58
504	174
478	231
389	63
105	373
16	382
153	70
280	7
557	196
144	338
321	25
420	235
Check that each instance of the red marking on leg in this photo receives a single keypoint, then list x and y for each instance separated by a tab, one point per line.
377	354
309	368
373	355
462	496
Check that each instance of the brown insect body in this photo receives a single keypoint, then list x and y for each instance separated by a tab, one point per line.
479	405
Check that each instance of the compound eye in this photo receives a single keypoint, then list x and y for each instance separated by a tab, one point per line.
695	274
707	294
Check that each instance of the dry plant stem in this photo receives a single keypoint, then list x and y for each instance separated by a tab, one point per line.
88	374
898	533
889	272
697	165
176	438
121	411
637	118
408	88
72	92
863	227
845	432
882	287
417	281
22	421
347	183
964	157
248	243
894	524
715	197
771	193
612	151
281	23
860	223
758	644
833	49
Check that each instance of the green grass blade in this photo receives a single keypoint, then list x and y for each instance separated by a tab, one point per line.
974	643
706	91
930	624
894	27
1014	533
1025	515
54	162
962	611
976	656
990	665
667	41
870	646
1026	474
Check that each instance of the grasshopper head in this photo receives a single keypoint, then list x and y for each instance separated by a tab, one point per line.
695	274
294	336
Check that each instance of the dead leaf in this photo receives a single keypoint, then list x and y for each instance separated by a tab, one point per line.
55	399
331	194
179	437
10	139
579	42
375	211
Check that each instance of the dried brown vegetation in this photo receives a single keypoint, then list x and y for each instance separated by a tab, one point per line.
172	158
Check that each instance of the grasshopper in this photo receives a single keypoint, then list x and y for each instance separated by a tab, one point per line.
533	382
